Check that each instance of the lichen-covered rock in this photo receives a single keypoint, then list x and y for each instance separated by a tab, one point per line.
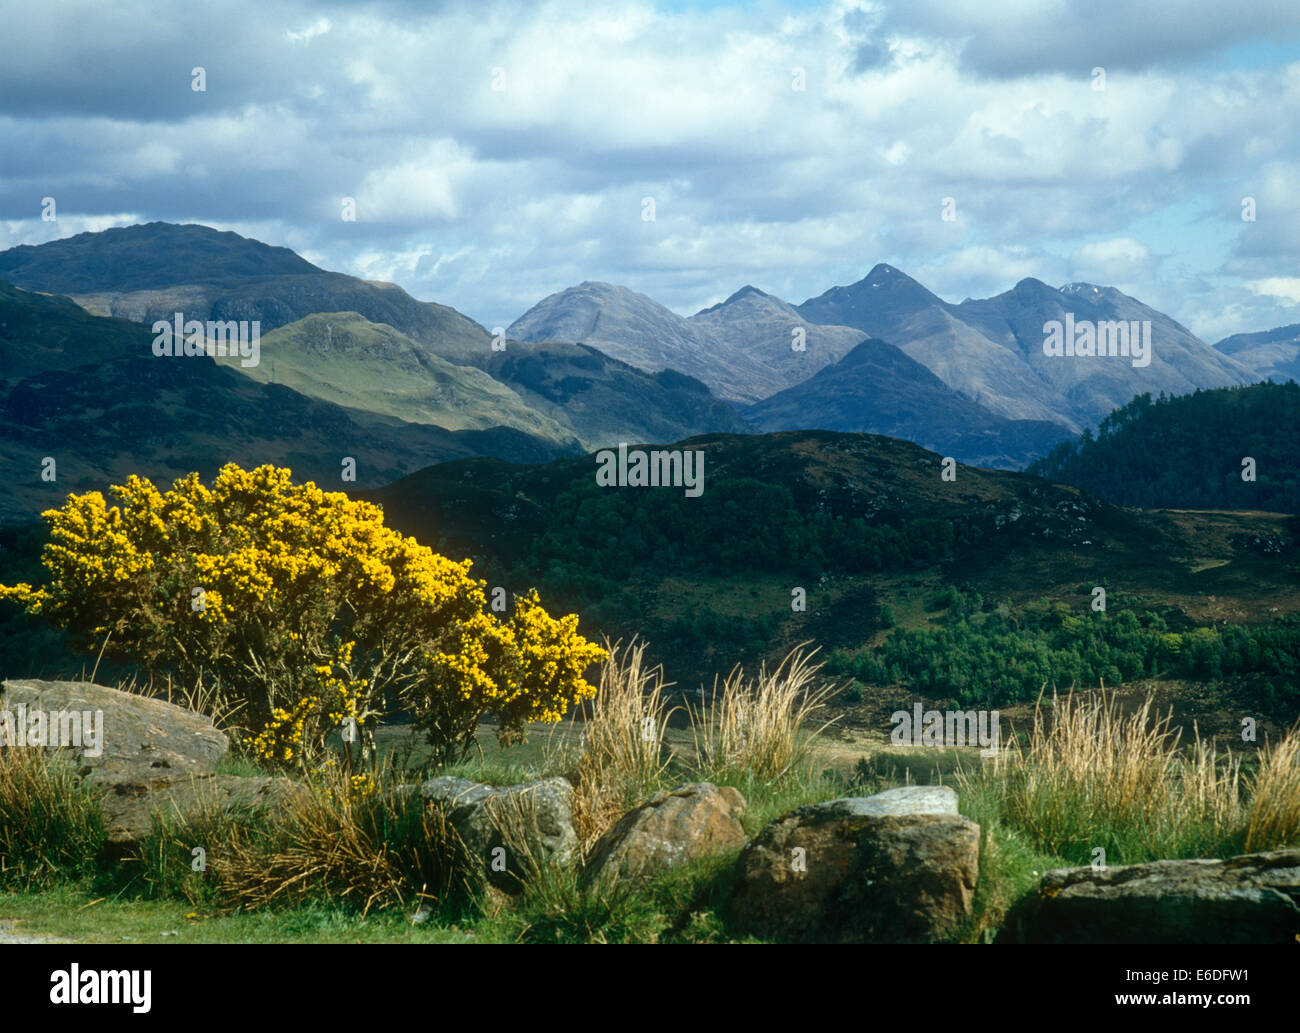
692	821
507	830
144	755
898	867
1251	898
129	807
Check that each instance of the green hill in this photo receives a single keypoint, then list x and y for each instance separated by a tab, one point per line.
1187	452
343	357
870	531
158	254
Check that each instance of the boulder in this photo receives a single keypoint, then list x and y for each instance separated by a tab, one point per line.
507	830
141	740
129	807
692	821
1251	898
144	754
897	867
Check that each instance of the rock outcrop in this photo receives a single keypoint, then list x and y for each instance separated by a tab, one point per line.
1251	898
897	867
147	756
507	830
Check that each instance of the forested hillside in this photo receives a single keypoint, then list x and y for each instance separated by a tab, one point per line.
1190	452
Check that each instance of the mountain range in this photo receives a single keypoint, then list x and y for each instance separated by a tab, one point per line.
88	392
741	347
988	351
596	364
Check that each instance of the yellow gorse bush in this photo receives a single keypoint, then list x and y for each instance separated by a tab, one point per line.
297	737
255	581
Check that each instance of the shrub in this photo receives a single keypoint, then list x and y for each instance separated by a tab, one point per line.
256	584
361	846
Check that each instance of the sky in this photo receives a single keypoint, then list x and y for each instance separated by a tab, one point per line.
497	152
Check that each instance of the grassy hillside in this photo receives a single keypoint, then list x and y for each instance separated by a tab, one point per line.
344	358
149	272
605	401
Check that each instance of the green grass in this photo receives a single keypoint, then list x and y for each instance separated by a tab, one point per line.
139	899
74	912
51	827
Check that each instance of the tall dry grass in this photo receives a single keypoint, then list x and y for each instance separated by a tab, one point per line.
1273	816
1092	776
755	728
368	850
621	757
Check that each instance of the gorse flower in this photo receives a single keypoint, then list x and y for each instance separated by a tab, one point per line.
305	608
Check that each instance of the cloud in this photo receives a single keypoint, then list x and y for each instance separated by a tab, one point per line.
316	28
487	199
1119	261
1284	288
1013	38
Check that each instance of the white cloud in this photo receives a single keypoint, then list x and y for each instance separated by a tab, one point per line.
316	28
1284	288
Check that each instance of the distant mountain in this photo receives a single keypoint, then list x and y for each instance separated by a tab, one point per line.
1269	354
157	254
762	328
88	392
892	306
1181	362
741	347
877	389
991	350
574	397
150	272
605	401
639	331
389	353
1188	452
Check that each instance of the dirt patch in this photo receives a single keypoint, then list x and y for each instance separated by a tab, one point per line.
10	933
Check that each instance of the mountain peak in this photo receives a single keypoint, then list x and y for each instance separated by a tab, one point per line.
745	292
146	256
